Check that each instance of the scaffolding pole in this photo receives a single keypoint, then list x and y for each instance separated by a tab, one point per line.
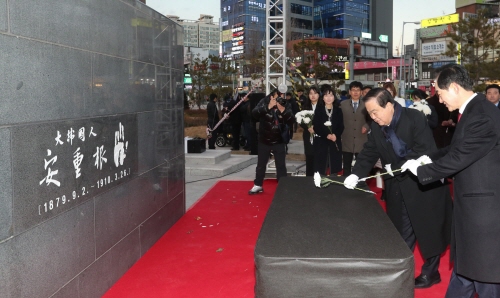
275	44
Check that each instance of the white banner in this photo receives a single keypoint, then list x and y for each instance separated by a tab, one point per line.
433	48
435	58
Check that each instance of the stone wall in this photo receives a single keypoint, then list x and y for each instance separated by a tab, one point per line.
91	142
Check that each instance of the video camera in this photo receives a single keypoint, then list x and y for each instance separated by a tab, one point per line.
281	101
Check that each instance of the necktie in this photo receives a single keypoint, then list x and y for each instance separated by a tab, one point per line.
355	106
459	116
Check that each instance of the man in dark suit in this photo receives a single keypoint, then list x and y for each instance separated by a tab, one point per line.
473	159
493	94
419	213
212	119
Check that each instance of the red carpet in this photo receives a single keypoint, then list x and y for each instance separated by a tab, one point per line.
209	252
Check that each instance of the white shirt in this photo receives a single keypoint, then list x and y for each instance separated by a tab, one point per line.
462	107
353	102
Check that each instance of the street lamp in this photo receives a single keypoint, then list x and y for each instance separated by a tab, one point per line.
402	86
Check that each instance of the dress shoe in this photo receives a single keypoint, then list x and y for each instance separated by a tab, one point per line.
426	281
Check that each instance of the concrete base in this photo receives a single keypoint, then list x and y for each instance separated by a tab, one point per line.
217	163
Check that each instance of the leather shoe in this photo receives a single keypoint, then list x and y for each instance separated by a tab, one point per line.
426	281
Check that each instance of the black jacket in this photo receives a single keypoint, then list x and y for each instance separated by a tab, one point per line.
429	207
473	158
235	117
269	130
212	113
337	120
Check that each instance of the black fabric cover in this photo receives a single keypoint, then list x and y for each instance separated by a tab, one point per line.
330	242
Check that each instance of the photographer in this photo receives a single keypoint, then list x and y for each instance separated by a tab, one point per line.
273	112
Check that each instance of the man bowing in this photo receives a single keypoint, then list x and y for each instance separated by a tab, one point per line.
419	213
473	159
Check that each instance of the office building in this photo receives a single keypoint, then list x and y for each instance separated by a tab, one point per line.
243	22
346	18
243	27
202	33
300	14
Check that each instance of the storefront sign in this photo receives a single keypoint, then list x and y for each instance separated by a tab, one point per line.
444	20
435	58
433	48
437	31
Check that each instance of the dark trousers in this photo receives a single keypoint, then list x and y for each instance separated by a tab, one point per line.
236	135
347	158
327	156
263	157
431	265
310	165
211	141
462	287
247	129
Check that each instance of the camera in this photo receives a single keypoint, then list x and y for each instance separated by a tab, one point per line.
281	101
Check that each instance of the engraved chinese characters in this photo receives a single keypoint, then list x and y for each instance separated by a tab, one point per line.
57	165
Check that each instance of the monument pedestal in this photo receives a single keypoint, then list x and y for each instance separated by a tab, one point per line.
330	242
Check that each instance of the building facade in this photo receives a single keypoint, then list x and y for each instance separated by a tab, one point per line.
345	18
243	27
300	14
202	33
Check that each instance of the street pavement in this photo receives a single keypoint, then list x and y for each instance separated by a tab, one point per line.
196	186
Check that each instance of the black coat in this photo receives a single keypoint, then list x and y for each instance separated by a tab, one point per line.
473	157
432	119
324	148
442	134
429	207
269	131
306	135
235	117
212	113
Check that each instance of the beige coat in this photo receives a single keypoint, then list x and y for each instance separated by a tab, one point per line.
352	138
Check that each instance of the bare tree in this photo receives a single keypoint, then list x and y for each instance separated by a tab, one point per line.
198	74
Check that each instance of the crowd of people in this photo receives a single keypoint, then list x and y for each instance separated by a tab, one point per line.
452	136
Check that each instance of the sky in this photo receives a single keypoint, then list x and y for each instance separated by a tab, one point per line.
404	11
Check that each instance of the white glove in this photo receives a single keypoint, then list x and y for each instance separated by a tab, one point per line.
351	181
388	169
424	159
411	165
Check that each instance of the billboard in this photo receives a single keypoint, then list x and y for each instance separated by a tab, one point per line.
444	20
227	35
433	48
436	31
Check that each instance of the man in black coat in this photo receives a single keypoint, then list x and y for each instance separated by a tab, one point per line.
272	116
213	119
419	213
473	159
236	121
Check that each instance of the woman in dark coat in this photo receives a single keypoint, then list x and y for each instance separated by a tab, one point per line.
328	144
447	121
432	118
310	104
